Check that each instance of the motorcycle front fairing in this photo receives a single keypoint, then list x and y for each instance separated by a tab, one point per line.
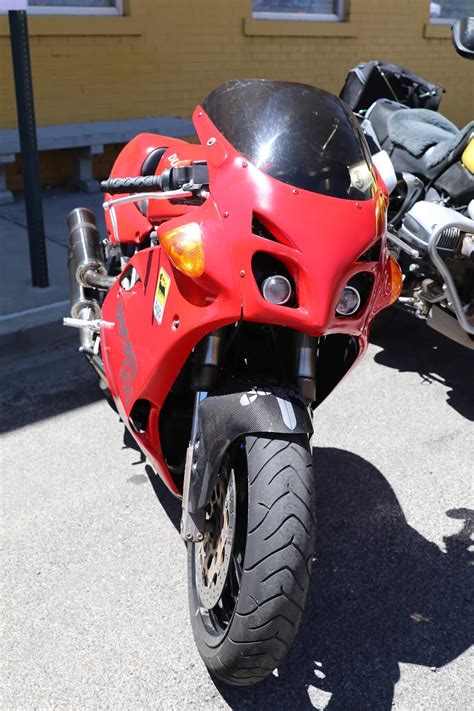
321	241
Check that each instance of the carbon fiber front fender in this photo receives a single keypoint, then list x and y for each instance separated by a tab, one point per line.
240	410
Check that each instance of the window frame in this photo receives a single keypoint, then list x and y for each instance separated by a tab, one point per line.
77	10
303	17
442	20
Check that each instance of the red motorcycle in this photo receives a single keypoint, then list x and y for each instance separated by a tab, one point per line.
241	277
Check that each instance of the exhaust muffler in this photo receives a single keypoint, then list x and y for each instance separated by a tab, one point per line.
87	275
86	252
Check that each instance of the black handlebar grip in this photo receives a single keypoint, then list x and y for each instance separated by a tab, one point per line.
139	184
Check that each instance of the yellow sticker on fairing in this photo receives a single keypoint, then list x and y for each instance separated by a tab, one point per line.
161	294
467	158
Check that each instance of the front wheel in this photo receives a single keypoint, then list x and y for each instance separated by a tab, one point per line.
249	577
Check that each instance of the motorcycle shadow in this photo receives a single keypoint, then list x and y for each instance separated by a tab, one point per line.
410	345
380	594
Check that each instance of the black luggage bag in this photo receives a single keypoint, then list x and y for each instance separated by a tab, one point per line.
373	80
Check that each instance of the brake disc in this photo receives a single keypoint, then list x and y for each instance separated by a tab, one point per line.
213	554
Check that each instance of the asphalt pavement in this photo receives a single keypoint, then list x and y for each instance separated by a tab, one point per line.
94	589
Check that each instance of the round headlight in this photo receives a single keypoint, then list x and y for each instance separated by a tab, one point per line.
349	302
276	289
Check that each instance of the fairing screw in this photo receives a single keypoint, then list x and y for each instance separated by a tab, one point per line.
295	192
211	141
175	324
226	214
200	113
242	273
358	206
244	164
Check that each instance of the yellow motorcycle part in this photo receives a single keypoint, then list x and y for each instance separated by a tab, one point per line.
467	158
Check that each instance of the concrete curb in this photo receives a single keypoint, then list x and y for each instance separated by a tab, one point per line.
38	327
29	318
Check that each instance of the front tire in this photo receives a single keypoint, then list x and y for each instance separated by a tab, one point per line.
270	512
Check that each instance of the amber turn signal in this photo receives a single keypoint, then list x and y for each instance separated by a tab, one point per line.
395	279
184	247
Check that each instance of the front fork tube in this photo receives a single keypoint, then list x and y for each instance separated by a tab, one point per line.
305	365
192	524
208	354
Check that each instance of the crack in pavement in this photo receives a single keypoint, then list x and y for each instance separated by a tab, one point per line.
25	227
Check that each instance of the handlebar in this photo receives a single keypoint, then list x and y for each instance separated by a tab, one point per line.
189	177
139	184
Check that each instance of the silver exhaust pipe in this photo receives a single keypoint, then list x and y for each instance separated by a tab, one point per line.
87	275
86	252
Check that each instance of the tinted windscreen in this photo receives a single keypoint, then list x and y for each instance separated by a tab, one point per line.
296	133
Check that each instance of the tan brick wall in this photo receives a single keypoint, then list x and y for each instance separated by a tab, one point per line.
166	56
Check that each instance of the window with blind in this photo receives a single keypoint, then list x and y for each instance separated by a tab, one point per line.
320	10
446	11
75	7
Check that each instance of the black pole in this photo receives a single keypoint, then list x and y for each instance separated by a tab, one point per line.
29	150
